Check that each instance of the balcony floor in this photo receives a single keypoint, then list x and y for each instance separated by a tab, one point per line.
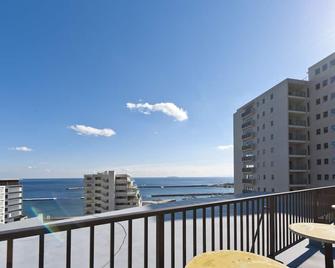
304	255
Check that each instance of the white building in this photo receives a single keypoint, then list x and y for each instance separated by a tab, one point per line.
284	139
109	191
10	200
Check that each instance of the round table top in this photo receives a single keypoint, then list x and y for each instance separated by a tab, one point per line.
315	231
232	259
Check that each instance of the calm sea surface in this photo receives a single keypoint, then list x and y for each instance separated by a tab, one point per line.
64	197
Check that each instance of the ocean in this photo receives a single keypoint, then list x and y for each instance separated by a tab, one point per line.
64	197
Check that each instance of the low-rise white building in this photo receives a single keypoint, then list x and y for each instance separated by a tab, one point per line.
10	200
108	191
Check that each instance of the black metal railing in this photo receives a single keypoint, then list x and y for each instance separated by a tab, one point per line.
257	224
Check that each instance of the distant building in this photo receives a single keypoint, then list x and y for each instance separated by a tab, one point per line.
284	139
109	191
10	200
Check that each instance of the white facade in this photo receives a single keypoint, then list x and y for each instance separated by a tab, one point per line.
285	138
10	200
109	191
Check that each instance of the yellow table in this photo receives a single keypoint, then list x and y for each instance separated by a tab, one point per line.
232	259
319	232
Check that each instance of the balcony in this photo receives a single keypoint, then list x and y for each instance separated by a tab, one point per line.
295	137
248	112
296	152
248	158
248	169
248	136
257	224
248	147
298	167
250	123
297	108
297	123
249	181
297	93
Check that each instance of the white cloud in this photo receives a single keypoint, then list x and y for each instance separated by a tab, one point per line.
167	108
225	147
91	131
21	149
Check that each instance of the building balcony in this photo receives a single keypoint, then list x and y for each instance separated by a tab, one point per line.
294	137
249	158
175	240
297	123
248	136
249	181
297	152
248	147
248	170
297	109
248	112
298	168
250	123
297	93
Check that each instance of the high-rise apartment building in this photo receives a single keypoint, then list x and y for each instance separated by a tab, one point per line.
284	139
10	200
108	191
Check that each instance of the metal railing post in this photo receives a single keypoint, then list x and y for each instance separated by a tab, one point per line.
272	210
315	206
160	240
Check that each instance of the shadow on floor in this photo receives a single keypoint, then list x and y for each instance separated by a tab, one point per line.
312	249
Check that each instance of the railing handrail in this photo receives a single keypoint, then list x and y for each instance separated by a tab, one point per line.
87	221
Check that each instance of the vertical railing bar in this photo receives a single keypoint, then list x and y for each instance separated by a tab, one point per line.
9	260
279	223
287	218
213	227
258	237
41	251
263	226
172	240
221	227
68	248
184	238
203	229
228	226
130	243
146	242
253	225
241	225
111	244
247	223
235	227
194	232
91	246
160	240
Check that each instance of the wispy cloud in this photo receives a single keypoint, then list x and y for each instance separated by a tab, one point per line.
91	131
225	147
21	149
167	108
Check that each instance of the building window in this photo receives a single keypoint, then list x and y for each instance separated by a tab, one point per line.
272	177
324	83
271	110
318	116
272	136
325	98
326	177
332	79
318	162
317	86
263	101
318	147
264	177
332	96
271	123
325	114
318	101
271	96
333	176
317	71
326	161
264	189
263	113
324	67
318	131
272	149
325	145
263	126
325	130
273	190
263	139
319	177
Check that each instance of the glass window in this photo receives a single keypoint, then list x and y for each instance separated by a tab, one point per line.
332	62
318	147
325	145
317	71
271	96
325	130
332	111
332	96
326	177
325	114
319	177
326	161
324	83
318	101
317	86
325	98
318	162
318	131
318	116
332	79
324	67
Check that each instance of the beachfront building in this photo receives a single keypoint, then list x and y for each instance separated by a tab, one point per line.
284	139
10	200
108	191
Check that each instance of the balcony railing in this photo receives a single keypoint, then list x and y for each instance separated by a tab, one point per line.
249	135
248	112
249	123
297	108
248	169
300	152
297	137
301	123
248	158
297	93
248	147
256	224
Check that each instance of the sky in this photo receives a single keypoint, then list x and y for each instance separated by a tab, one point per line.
143	87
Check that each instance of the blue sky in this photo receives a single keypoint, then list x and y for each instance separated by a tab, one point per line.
65	64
